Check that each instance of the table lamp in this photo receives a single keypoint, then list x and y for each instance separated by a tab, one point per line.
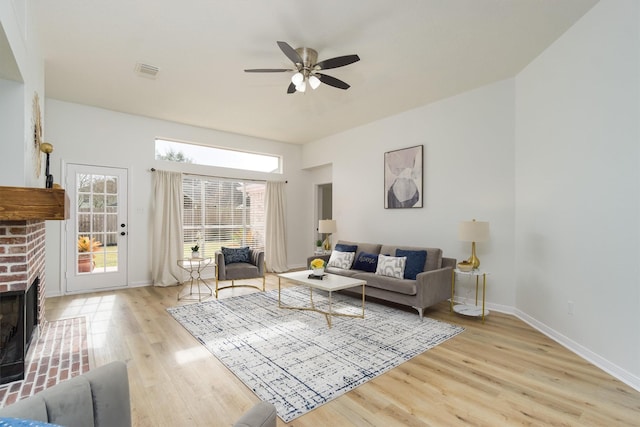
473	231
327	226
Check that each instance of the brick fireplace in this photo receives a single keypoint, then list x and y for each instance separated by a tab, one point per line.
23	212
22	254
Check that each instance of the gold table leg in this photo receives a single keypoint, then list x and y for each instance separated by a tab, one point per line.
484	289
327	314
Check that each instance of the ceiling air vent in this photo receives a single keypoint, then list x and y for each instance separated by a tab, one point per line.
146	70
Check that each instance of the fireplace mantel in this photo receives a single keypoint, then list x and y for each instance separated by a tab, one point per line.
30	203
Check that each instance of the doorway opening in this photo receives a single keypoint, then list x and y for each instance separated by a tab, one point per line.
325	206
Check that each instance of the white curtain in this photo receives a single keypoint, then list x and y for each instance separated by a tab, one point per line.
167	238
275	240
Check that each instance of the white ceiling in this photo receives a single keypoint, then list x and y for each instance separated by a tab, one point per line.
412	52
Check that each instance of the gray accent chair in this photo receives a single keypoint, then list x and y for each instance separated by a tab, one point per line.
240	271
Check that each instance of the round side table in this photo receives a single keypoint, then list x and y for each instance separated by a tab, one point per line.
195	267
467	309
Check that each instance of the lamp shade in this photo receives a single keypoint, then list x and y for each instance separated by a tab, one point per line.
314	82
327	226
297	78
473	231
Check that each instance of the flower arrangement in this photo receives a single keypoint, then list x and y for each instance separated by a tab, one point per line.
195	248
317	263
86	244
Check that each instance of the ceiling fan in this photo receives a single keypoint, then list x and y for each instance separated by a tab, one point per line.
307	68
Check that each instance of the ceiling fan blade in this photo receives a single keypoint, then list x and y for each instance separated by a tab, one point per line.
291	88
332	81
267	70
290	52
339	61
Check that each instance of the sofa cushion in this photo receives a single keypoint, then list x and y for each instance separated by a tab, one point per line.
241	270
416	261
401	286
341	247
366	262
391	266
341	259
233	255
341	271
434	255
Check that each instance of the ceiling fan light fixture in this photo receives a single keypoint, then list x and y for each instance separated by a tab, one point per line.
314	82
307	68
297	78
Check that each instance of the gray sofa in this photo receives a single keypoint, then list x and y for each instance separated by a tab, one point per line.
100	398
431	286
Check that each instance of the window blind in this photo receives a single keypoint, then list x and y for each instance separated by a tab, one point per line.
220	212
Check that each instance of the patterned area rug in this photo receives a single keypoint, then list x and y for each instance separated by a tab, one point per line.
292	359
61	352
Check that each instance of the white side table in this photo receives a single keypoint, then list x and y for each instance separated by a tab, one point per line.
195	267
466	309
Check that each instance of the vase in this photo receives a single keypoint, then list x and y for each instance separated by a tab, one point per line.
195	254
318	271
85	263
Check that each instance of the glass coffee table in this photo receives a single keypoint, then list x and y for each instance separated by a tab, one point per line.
329	283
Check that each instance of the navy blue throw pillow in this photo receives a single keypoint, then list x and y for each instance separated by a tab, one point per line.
366	262
415	262
346	248
232	255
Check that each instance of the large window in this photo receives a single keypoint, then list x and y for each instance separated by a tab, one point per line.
183	152
219	212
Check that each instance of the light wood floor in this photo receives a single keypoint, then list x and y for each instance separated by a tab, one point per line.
500	373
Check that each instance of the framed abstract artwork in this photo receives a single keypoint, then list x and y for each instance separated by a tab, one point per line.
403	178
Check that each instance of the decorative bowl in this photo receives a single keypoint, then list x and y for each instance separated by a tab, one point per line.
465	266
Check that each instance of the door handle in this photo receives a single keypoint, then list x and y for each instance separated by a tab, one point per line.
123	233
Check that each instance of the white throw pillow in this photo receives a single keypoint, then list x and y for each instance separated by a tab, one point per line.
341	259
391	266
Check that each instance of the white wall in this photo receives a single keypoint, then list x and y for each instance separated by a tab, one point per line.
577	182
12	166
18	26
88	135
468	173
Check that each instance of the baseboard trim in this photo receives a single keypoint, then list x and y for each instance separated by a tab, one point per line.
602	363
599	361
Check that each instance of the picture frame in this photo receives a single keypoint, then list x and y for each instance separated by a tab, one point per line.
403	178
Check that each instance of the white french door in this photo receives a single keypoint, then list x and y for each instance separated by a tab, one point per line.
96	232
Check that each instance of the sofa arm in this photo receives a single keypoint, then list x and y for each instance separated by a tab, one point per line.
261	415
433	286
110	392
257	258
221	271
